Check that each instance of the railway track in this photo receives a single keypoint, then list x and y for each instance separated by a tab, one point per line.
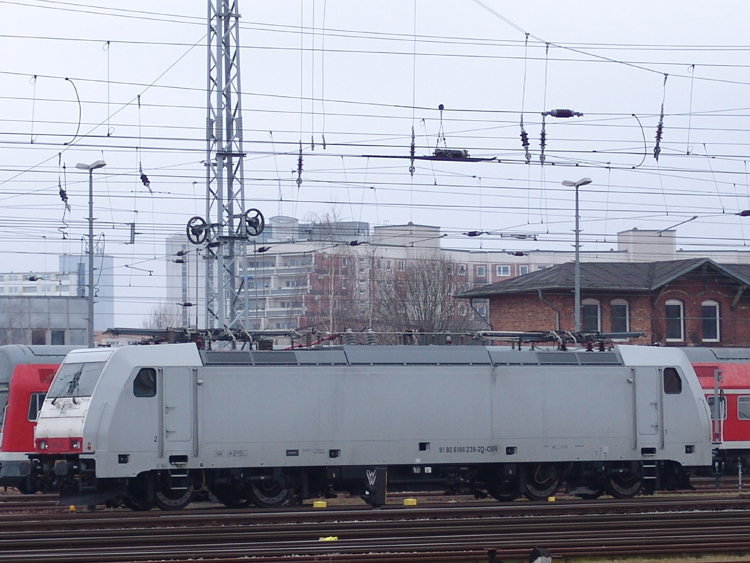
705	525
10	503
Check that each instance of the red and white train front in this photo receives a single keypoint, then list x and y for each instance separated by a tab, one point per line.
59	430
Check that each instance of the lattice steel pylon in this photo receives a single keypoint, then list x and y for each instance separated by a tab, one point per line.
227	226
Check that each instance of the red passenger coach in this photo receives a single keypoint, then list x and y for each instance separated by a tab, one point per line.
28	387
724	373
25	376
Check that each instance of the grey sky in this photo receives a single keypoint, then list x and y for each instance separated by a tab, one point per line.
361	75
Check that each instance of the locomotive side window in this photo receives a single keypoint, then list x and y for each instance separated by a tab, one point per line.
743	408
144	384
35	405
722	408
672	382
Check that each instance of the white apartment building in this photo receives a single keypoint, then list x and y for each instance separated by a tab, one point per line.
286	265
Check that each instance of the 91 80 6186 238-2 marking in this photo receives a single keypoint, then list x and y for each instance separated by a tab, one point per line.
468	449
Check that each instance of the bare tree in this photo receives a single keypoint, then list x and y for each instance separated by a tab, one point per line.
419	298
162	316
337	299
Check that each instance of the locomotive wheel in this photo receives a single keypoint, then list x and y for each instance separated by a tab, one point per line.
591	496
231	497
173	500
542	481
626	484
504	491
137	504
503	496
267	493
504	488
26	487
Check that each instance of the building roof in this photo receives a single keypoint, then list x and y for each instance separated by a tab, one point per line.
618	276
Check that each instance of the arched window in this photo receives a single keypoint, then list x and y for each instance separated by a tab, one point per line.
710	321
675	320
619	315
590	319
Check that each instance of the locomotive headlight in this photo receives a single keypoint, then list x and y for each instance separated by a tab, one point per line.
41	445
76	443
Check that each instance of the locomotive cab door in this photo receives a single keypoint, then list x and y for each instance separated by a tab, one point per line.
647	403
177	405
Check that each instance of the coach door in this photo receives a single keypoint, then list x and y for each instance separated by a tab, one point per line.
647	407
178	401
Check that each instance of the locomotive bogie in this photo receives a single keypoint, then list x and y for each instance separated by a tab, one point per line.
163	422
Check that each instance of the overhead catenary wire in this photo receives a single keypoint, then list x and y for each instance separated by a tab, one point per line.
318	172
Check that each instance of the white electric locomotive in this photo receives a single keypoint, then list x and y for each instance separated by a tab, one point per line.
149	425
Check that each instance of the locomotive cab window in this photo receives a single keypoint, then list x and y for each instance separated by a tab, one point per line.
672	382
144	384
743	407
35	405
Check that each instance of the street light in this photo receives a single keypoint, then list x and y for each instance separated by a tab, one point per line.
91	167
577	263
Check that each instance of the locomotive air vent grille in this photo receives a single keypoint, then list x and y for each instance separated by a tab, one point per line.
226	357
598	358
269	358
557	358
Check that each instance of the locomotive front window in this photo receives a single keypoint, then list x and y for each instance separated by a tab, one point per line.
75	380
144	384
743	408
35	405
672	382
3	401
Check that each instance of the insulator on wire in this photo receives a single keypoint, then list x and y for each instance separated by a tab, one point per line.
563	113
299	166
412	152
525	142
542	141
659	131
64	197
660	127
349	336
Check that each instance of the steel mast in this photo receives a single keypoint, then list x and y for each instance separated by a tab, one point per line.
226	241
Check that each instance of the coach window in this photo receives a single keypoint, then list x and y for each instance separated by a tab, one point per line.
672	382
590	315
674	320
35	405
710	320
743	407
619	315
144	384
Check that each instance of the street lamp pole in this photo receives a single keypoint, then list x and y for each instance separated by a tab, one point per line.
577	260
90	324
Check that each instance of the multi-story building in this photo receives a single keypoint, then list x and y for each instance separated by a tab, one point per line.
320	276
50	307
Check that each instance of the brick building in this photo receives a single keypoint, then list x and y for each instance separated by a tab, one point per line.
674	303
